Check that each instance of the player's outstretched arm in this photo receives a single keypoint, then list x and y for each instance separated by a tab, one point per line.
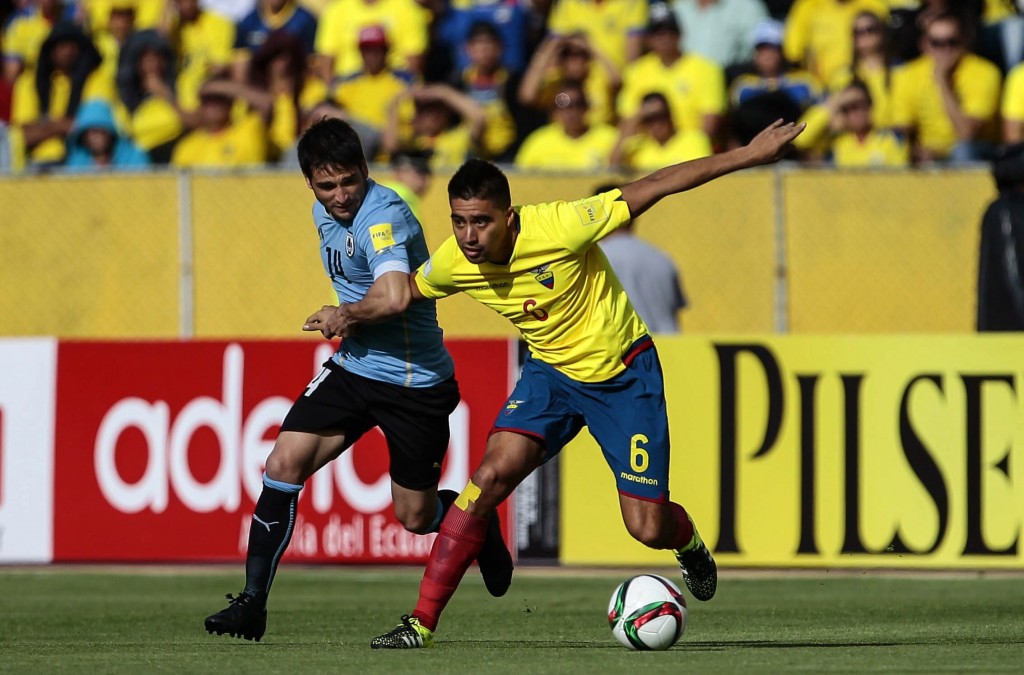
767	147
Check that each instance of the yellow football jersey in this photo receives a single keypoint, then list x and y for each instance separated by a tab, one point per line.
558	289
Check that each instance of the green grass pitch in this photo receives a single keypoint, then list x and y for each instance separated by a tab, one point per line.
139	620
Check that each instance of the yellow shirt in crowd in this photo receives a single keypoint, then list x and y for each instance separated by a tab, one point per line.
879	86
819	33
880	148
1013	95
550	148
206	43
693	85
643	152
26	107
241	143
406	23
917	101
367	97
607	24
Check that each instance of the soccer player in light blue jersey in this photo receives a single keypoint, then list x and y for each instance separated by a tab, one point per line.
393	372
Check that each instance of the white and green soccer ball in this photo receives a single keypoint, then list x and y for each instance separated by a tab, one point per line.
647	612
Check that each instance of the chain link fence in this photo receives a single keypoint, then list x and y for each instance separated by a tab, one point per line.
776	250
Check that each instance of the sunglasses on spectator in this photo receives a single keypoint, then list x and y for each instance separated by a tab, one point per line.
860	104
947	43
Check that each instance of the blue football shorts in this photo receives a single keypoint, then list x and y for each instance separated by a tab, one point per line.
626	415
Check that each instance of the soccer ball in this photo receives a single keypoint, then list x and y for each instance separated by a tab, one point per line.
647	612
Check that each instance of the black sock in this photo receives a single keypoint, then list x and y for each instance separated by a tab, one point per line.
269	533
445	498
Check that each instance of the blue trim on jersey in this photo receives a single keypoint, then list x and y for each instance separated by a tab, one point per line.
408	349
626	411
280	486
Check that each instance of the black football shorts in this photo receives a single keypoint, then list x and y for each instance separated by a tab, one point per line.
414	421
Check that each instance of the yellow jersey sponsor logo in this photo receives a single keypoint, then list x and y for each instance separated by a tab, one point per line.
381	236
591	211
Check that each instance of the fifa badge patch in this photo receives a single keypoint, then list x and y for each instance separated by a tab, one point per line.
591	211
381	237
545	277
350	245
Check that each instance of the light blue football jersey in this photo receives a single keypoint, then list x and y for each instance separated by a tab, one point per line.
383	237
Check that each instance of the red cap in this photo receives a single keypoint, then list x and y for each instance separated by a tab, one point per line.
373	36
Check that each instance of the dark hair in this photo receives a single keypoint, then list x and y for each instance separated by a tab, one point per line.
330	143
479	179
862	87
656	96
887	47
88	60
483	28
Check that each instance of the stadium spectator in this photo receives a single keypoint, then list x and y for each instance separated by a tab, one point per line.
279	68
369	138
395	374
111	36
592	362
871	64
648	275
770	88
27	29
568	142
367	94
559	60
145	86
947	99
446	123
46	99
202	41
819	35
1013	106
694	85
860	142
1001	250
406	23
96	143
411	179
487	82
221	141
719	30
510	18
269	16
613	27
650	140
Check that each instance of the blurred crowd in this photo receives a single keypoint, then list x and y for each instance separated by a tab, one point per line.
558	85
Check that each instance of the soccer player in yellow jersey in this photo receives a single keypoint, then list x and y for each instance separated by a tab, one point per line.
592	361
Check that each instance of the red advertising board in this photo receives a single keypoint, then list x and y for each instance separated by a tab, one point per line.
160	447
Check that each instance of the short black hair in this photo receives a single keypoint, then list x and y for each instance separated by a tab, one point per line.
479	179
483	28
330	143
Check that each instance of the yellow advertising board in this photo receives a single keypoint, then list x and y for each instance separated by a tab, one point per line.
814	451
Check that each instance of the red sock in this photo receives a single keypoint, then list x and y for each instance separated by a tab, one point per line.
684	528
456	547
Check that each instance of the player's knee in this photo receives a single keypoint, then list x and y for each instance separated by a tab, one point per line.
417	522
280	467
490	479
